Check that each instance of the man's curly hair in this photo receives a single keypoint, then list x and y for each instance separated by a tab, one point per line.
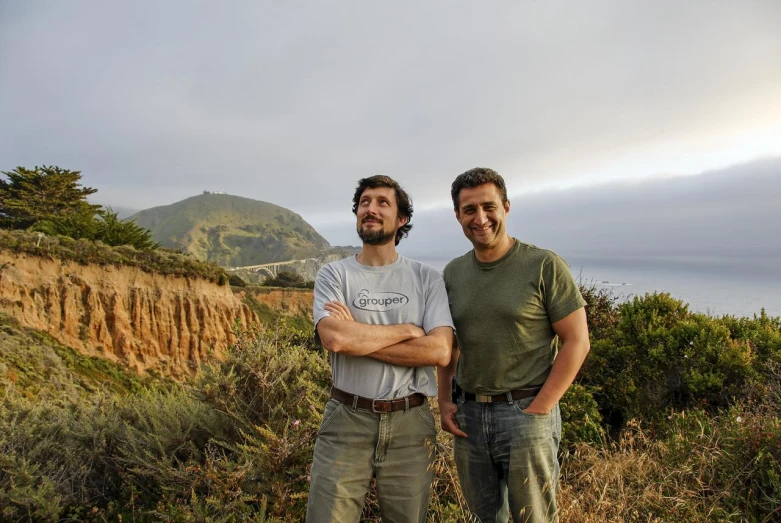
403	200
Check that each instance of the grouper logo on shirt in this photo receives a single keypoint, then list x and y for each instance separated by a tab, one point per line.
379	301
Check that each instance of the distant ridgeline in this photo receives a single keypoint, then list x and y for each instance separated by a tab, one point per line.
233	231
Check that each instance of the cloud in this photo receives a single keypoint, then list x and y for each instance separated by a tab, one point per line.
725	220
292	103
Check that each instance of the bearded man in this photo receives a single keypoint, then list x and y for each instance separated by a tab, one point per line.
385	321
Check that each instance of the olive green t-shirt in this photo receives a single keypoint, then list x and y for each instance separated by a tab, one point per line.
503	312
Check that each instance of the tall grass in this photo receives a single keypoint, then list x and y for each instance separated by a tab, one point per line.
698	468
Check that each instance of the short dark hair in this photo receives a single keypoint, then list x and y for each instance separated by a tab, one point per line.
403	200
475	177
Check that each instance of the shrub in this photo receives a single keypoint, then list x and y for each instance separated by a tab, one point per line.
601	311
660	357
762	333
273	391
581	421
288	279
236	281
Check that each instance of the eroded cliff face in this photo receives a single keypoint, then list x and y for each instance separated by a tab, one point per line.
288	302
144	321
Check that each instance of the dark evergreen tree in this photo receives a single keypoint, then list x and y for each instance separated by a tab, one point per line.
76	225
51	200
113	231
29	196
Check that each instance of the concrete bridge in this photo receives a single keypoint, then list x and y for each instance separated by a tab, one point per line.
305	268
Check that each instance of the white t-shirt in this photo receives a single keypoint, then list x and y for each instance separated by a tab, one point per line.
406	291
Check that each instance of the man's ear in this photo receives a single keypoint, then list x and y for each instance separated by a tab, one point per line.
458	214
507	206
403	220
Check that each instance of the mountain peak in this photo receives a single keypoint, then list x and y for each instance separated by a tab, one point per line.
232	230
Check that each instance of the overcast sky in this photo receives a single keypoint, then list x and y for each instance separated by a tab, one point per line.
292	102
726	221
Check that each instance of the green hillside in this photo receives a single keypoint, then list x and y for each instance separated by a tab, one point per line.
36	365
232	231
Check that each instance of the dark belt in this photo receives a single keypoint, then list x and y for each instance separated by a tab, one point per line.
502	398
378	406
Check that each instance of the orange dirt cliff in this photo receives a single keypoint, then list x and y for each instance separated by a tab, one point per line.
144	321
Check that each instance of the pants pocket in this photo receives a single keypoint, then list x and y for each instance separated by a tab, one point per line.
332	408
525	402
425	412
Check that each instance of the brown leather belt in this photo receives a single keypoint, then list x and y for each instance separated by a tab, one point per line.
502	398
378	406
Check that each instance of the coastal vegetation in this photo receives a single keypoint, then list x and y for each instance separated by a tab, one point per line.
213	227
51	200
676	417
86	252
288	279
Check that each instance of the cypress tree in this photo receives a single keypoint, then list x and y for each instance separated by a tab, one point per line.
29	196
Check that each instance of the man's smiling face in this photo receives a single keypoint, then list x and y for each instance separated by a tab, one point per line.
483	215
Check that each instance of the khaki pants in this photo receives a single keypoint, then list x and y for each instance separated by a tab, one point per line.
355	445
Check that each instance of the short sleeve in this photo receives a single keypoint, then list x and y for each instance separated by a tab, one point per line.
328	287
562	296
437	311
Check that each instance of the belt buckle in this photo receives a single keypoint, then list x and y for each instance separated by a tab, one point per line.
482	398
384	410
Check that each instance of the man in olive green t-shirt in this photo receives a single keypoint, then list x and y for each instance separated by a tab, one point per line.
521	337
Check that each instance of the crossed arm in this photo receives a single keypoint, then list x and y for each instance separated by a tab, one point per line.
402	344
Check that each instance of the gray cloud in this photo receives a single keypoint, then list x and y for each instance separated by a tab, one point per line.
293	102
722	221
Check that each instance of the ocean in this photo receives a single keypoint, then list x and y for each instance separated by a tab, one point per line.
703	289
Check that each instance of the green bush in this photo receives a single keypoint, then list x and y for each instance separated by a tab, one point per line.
273	390
601	309
581	421
288	279
236	281
762	333
36	365
661	357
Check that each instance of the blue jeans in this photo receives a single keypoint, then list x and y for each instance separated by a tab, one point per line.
355	445
509	463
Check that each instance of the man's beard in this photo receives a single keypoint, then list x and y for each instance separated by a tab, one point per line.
379	237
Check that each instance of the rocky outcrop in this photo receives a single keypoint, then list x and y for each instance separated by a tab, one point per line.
145	321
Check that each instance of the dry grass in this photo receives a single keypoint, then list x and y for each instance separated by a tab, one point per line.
681	477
